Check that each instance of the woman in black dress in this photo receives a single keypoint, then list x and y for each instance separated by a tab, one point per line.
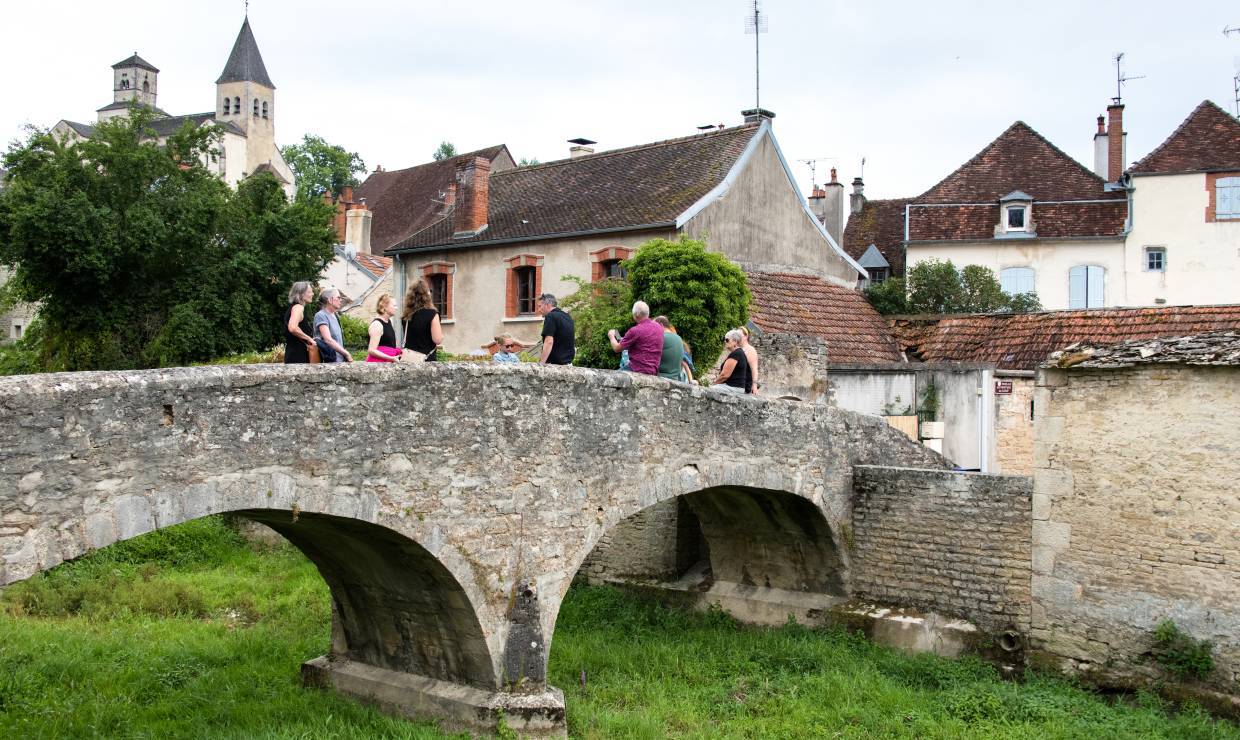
297	339
422	330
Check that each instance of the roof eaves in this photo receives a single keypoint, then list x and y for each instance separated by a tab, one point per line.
533	238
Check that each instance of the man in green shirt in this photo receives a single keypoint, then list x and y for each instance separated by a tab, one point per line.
673	351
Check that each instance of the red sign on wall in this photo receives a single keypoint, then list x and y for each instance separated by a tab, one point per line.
1003	387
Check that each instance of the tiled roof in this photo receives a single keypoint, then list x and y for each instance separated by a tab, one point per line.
1211	348
403	202
266	167
135	61
966	202
1023	341
1209	139
81	129
172	124
811	306
245	63
644	185
374	264
881	223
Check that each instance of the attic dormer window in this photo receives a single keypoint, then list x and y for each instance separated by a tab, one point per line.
1015	215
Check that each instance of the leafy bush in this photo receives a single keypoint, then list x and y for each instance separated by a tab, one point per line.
355	332
938	287
595	308
702	293
1182	654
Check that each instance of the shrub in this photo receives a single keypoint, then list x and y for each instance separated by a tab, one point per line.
355	332
1182	654
595	308
701	293
938	287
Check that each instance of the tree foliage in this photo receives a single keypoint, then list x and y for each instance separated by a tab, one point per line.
937	287
321	167
446	150
702	293
595	308
140	257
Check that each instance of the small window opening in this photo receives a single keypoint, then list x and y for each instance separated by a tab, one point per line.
614	269
1155	259
878	274
227	105
1016	218
264	109
439	293
255	106
525	289
237	105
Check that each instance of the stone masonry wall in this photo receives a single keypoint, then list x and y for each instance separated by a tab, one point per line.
642	546
1136	514
792	365
1014	428
953	543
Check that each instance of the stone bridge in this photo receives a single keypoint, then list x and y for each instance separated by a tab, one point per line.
447	506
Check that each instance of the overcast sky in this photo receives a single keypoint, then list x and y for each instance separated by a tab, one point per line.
915	88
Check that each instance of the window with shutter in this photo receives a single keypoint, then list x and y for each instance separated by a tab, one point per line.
1017	280
1227	198
1087	286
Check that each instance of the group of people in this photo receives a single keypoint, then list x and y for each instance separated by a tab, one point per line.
650	347
653	347
322	340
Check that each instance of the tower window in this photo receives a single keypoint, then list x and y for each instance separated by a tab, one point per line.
237	106
146	86
264	109
124	82
255	106
227	105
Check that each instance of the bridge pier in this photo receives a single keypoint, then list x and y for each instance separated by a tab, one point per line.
457	705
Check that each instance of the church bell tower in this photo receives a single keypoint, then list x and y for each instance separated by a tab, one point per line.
133	80
246	97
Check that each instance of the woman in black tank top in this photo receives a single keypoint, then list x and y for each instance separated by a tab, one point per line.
382	346
297	339
422	330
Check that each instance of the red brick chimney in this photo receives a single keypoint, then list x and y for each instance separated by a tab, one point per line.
1115	142
472	188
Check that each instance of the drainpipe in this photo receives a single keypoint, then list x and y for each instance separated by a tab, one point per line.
986	407
398	284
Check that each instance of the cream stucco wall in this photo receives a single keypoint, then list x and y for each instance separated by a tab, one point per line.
1050	259
479	283
1203	258
779	233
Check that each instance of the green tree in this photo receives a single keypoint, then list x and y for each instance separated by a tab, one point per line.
140	257
528	162
446	150
937	287
595	308
321	167
702	293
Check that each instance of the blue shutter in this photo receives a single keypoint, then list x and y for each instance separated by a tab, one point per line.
1076	287
1096	296
1227	198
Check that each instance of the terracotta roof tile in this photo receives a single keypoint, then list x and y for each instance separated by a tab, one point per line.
811	306
881	223
403	202
374	264
1209	139
1023	341
647	184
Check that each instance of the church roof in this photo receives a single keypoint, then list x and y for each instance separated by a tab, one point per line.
245	63
135	61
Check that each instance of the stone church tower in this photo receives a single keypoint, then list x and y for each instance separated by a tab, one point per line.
132	79
246	98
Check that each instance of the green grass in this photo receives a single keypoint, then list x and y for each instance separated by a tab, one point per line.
190	632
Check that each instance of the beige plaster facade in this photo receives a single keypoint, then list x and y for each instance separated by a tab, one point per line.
1202	263
781	233
1050	259
1136	514
479	282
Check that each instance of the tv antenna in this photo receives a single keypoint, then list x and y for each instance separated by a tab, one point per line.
755	23
1235	81
813	167
1120	79
862	175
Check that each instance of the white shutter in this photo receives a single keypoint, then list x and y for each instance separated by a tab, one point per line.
1076	287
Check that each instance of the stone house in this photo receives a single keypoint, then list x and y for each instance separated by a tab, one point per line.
1154	536
245	111
505	236
1016	344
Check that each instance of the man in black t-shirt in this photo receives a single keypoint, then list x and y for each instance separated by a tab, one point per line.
559	345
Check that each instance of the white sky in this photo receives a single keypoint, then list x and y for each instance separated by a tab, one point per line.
916	88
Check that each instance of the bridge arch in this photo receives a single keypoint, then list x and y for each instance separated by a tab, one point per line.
499	480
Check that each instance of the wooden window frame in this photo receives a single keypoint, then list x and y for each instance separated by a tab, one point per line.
448	270
511	309
1212	179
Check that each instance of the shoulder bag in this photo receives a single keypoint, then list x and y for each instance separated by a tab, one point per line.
410	355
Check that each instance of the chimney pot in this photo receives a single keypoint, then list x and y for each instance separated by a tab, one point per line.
757	115
833	175
1101	125
472	193
856	201
580	147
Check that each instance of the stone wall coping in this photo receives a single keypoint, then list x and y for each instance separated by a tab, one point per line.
937	471
907	367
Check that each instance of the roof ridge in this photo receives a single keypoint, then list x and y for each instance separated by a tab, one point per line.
1016	126
476	152
636	147
1203	106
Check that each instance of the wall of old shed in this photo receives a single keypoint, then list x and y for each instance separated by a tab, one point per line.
1136	513
761	221
1013	425
952	543
792	366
